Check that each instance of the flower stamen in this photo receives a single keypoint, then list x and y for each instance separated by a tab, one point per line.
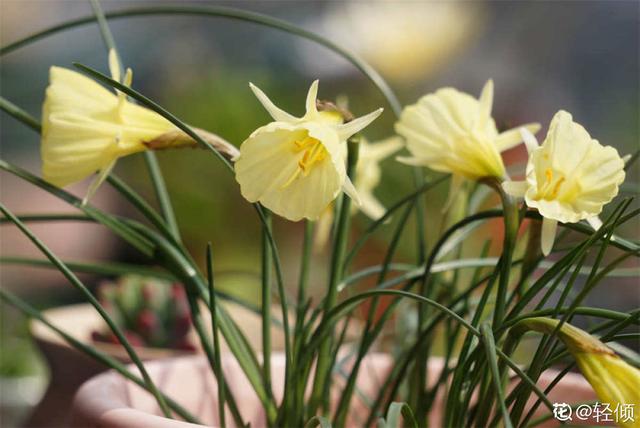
549	190
314	152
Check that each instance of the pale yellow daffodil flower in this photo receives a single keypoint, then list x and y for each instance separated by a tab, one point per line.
87	128
569	178
453	132
296	166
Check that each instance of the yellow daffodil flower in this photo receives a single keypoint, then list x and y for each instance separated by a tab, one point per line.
86	128
569	178
614	380
296	166
453	132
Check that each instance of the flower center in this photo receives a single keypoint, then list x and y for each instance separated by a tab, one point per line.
551	186
314	153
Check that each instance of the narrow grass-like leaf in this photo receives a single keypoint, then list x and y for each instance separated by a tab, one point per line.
105	268
490	348
17	113
118	227
217	369
73	279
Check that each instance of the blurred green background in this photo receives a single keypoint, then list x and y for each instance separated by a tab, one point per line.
543	56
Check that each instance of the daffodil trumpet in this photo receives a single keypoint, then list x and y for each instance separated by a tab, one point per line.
87	128
569	178
613	379
295	166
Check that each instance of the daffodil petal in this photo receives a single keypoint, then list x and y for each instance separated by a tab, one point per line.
323	229
350	190
348	129
530	141
486	101
456	183
410	161
594	222
102	175
548	235
382	150
114	65
513	137
371	206
276	113
515	188
310	103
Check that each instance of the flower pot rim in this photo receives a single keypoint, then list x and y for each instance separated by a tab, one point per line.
102	399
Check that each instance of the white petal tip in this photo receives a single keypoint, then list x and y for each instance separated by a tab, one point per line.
530	141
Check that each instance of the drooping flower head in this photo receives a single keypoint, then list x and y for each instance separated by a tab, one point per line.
614	380
296	166
86	128
570	177
453	132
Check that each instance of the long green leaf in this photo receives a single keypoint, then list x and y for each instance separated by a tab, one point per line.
73	279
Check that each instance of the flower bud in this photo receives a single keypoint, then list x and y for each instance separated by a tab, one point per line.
614	380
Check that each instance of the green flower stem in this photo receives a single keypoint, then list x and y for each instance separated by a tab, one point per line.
490	347
92	352
141	205
323	371
105	31
284	305
511	218
303	280
296	405
349	304
267	262
173	260
370	333
217	369
161	193
73	279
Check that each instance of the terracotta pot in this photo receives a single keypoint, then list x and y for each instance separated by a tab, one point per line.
109	401
70	368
